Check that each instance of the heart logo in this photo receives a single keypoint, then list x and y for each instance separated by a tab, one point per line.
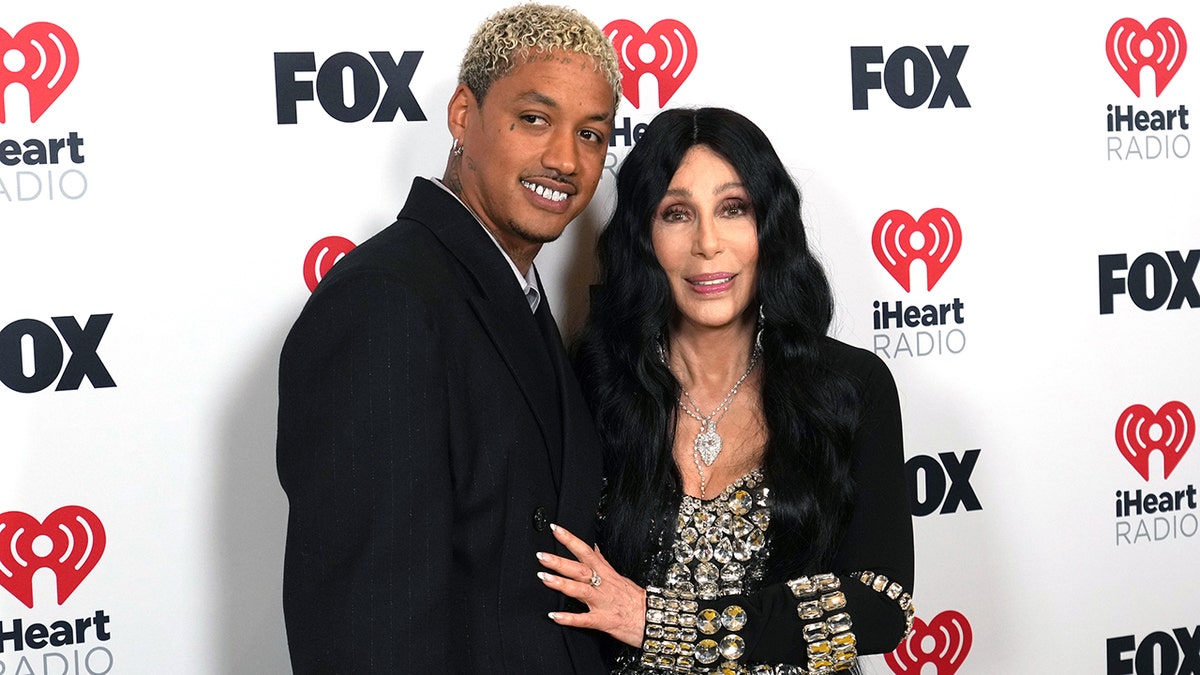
667	51
1128	44
71	541
899	239
322	256
944	642
1141	431
47	63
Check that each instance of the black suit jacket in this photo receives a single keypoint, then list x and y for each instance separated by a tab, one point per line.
430	428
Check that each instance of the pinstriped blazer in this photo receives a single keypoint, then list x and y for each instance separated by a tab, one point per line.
430	428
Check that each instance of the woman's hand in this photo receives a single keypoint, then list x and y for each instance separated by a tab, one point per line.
616	605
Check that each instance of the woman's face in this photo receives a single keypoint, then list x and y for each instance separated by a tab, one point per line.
705	235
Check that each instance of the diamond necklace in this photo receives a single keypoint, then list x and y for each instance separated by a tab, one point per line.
708	443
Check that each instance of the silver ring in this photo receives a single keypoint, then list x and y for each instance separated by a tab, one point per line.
595	580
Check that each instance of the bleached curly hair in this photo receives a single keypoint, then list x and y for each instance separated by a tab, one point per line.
504	39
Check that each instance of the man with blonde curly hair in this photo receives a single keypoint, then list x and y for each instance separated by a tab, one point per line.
431	432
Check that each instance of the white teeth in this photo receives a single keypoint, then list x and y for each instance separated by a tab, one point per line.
552	195
712	282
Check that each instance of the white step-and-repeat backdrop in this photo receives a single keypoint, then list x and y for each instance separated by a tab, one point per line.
1008	201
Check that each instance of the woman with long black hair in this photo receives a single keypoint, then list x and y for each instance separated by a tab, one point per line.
755	517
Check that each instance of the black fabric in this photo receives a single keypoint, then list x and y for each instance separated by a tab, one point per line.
428	431
878	538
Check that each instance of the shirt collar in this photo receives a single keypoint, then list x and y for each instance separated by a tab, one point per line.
527	281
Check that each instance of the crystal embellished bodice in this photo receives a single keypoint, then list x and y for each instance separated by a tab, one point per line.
720	543
720	549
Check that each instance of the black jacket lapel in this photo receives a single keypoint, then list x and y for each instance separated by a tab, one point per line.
500	306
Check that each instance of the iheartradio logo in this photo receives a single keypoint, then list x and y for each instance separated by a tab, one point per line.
667	51
69	543
321	258
43	58
943	642
1162	46
899	239
1141	431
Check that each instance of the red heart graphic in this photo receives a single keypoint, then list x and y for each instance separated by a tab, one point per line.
1135	435
892	241
76	543
50	60
944	642
1168	47
674	56
322	256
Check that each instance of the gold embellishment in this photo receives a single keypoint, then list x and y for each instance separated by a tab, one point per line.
827	582
832	602
740	503
814	632
706	651
843	640
719	549
670	630
831	647
892	590
819	649
802	587
810	610
732	647
720	543
733	618
838	622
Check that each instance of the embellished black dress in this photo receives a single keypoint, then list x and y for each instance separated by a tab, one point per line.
715	613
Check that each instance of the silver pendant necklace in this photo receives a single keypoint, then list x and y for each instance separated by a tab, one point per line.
708	444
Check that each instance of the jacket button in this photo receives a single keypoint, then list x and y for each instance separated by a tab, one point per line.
540	523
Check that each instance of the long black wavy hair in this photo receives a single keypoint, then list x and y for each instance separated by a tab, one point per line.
810	411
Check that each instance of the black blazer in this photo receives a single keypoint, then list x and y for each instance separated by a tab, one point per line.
430	428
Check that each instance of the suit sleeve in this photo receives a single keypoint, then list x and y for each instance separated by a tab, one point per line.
363	456
866	593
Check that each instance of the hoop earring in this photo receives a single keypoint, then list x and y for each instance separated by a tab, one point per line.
457	148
